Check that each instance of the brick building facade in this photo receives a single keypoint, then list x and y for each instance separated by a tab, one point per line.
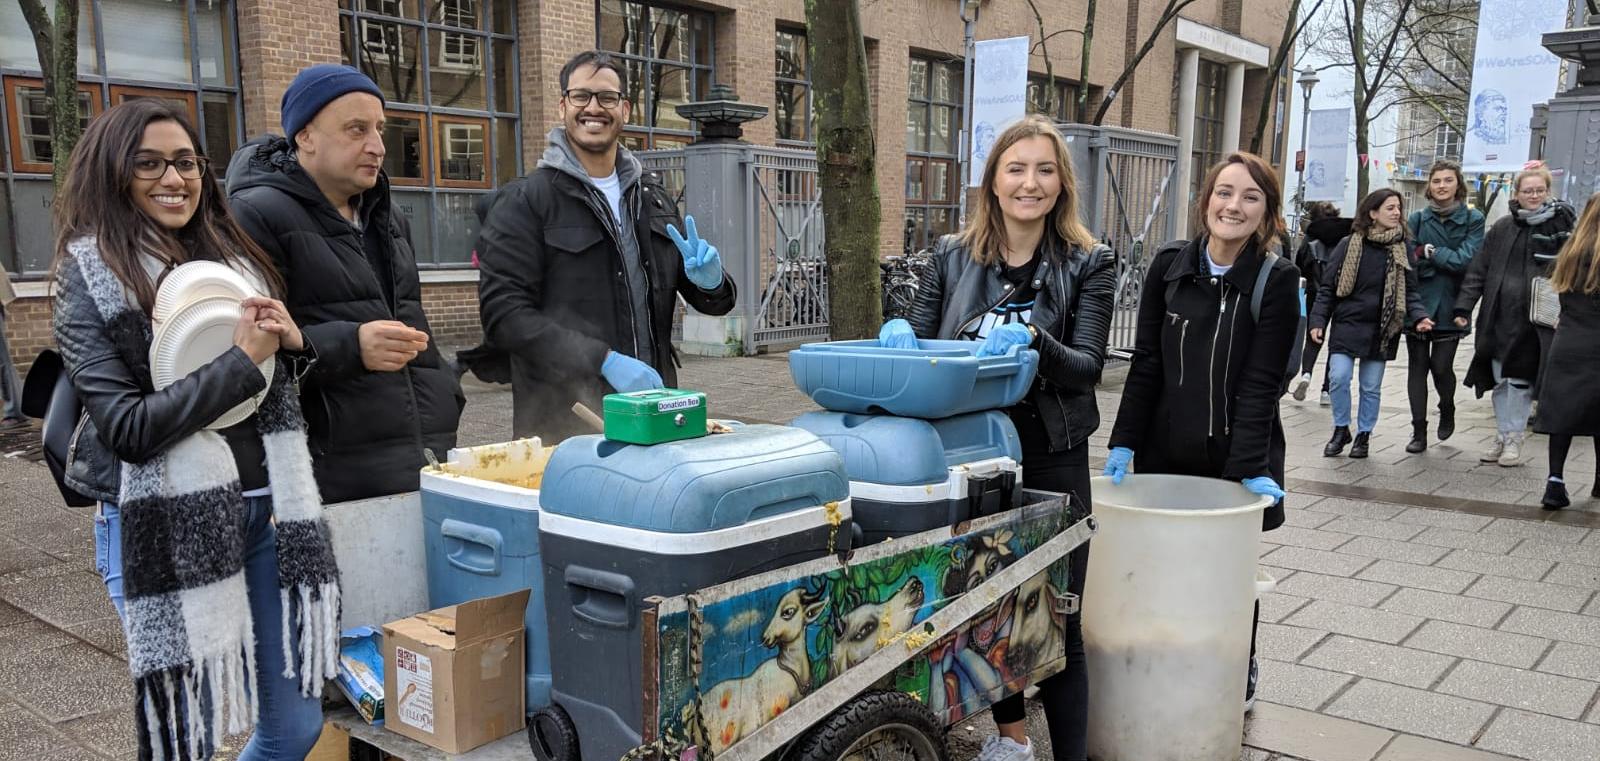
472	90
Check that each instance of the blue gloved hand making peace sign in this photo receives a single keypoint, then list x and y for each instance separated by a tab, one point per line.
700	259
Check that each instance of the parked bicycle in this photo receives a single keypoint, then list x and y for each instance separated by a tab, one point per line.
900	275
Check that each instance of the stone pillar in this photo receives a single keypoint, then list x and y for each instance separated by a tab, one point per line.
1233	107
1188	80
720	203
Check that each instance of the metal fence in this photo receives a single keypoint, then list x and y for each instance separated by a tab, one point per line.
787	236
667	164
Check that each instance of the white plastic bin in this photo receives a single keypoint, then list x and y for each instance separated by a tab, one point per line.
1167	611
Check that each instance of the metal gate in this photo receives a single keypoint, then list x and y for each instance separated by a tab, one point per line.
787	236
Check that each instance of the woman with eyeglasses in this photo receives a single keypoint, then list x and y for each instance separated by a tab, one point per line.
1510	348
211	542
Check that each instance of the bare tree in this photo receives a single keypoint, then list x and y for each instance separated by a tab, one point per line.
56	42
1293	25
1168	13
1048	104
847	174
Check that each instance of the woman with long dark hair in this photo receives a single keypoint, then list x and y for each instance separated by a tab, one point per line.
1201	398
1447	236
1027	273
1569	399
211	542
1367	298
1510	348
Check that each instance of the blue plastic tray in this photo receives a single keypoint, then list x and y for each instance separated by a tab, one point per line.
938	380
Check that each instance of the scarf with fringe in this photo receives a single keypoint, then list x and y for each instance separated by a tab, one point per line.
1392	318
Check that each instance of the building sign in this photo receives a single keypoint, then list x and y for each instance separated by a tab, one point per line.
1511	72
1327	153
999	95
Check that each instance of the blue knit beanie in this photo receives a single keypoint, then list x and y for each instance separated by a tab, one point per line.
317	86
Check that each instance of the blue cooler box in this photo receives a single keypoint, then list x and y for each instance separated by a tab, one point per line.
480	516
939	379
909	475
621	523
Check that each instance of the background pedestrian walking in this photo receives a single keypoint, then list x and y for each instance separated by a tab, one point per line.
1569	397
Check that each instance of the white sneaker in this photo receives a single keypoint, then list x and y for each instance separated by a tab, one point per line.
1325	401
1511	455
997	748
1496	447
1301	386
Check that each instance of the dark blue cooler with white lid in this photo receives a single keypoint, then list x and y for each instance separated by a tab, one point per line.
621	522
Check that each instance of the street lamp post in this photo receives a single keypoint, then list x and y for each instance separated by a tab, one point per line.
1308	80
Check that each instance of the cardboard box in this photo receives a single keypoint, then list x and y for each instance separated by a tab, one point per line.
453	677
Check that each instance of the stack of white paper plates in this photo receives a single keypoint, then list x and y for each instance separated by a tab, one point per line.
196	310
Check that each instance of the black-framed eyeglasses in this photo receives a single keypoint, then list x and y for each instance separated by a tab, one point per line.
147	167
581	98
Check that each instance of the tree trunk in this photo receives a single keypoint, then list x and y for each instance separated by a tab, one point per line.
1354	21
56	43
846	171
1083	62
1166	17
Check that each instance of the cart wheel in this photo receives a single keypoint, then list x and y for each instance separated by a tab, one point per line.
876	725
552	735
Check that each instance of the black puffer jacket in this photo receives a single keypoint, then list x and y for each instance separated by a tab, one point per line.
367	429
1072	313
1326	233
1201	398
1502	273
1352	322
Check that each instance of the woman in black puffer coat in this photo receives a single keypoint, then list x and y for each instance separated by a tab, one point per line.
1510	349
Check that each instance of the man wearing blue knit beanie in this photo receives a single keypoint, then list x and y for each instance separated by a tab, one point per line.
317	199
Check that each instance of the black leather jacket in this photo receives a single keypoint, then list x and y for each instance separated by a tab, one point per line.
1072	314
125	419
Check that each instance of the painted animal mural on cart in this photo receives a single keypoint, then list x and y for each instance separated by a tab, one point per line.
818	626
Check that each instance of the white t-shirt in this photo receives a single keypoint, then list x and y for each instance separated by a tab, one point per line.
611	186
1217	270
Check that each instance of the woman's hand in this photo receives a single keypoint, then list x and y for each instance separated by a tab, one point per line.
1316	335
1425	325
273	317
248	334
1461	322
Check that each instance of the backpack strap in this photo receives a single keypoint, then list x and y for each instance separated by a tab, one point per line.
1261	285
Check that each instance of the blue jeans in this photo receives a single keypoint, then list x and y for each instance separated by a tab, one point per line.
1340	368
1513	402
288	724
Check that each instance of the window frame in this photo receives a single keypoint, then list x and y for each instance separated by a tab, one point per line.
809	124
120	93
440	124
645	132
924	154
426	160
14	119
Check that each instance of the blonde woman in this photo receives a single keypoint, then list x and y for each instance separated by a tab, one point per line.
1569	401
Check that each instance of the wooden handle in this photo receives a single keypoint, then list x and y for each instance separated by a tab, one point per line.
587	415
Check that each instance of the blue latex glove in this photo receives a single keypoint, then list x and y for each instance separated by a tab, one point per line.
1117	464
626	374
897	334
1001	339
1264	486
701	261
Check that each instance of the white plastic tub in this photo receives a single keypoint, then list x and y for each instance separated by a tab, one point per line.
1167	611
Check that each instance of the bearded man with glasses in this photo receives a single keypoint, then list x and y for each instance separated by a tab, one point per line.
582	260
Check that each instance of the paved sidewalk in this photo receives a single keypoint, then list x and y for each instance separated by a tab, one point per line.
1427	609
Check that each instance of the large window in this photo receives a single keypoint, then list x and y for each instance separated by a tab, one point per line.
1064	106
448	70
181	51
792	87
668	55
933	128
1209	89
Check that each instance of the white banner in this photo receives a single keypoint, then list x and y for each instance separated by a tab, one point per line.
1327	153
999	94
1511	72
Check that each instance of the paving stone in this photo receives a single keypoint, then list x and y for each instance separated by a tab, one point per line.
23	737
1285	643
113	733
1304	537
15	556
1321	587
1419	712
1413	748
1276	606
1381	529
104	633
1298	733
82	681
1366	623
1380	511
1445	519
1295	685
1546	738
1531	569
1467	540
1390	549
1558	551
1317	561
1577	661
1549	532
1505	648
1301	518
19	641
1401	665
1551	624
1481	493
1516	688
1438	605
10	615
1575	575
1535	593
57	531
1593	609
68	598
1420	576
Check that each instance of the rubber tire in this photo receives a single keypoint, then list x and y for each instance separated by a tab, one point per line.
829	740
552	736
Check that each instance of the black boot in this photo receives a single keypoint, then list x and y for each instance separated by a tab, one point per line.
1447	421
1335	447
1419	437
1358	450
1555	495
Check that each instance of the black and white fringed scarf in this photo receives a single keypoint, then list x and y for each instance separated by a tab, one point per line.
190	636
